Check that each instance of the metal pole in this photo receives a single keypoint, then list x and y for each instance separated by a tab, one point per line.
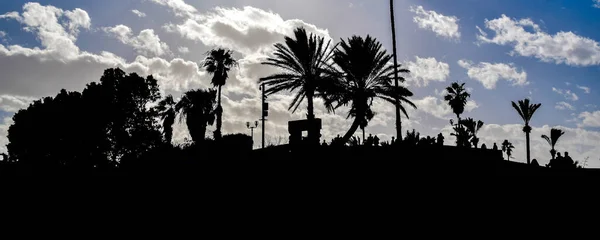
263	115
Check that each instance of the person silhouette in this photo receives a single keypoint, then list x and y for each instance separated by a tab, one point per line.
535	163
376	141
568	160
483	146
495	147
324	144
369	140
393	140
440	139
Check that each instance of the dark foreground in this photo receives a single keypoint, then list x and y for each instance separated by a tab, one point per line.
321	163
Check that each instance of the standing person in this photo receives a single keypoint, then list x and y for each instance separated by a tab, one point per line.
376	141
495	148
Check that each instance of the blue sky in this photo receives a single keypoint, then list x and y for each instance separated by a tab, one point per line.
559	49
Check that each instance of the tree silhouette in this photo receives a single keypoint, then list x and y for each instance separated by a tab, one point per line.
472	128
462	135
218	63
166	109
555	134
526	111
303	62
507	147
365	75
198	109
102	126
457	98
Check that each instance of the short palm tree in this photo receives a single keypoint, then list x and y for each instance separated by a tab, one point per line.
472	128
198	109
218	62
555	134
507	147
365	74
166	109
457	98
526	111
304	64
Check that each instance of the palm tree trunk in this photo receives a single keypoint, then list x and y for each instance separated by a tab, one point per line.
398	116
351	131
363	132
219	116
312	133
527	139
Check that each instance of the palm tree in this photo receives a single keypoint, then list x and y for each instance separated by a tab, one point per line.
166	109
395	54
457	98
304	66
218	62
526	112
198	108
365	75
507	147
555	134
472	128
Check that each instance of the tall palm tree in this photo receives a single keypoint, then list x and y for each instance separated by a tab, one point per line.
526	111
218	62
507	147
166	109
365	75
395	54
304	66
198	108
472	128
555	134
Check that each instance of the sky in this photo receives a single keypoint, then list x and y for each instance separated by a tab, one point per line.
504	50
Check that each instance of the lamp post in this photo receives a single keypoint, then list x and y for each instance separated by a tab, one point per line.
252	130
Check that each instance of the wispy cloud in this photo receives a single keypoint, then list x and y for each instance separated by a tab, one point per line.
566	93
584	88
138	13
443	26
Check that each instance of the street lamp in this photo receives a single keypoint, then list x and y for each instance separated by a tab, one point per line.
252	130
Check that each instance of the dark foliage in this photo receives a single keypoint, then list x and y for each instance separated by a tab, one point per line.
108	122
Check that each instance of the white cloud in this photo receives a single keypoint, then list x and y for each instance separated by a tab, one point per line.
568	83
566	93
562	47
490	73
443	26
183	50
4	125
13	15
180	8
249	30
590	119
2	34
59	63
146	43
425	70
78	19
591	106
437	107
138	13
12	104
564	106
585	89
596	4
